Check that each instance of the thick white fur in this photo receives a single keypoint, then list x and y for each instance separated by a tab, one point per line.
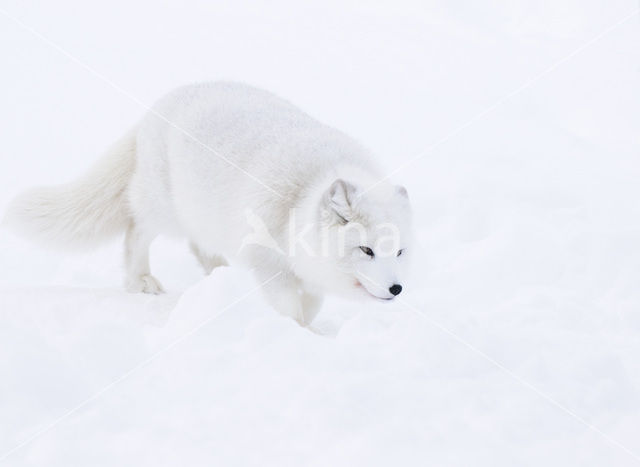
196	177
83	213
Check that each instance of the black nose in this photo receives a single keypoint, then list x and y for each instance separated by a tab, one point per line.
395	289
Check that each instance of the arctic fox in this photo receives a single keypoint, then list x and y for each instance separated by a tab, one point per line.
244	176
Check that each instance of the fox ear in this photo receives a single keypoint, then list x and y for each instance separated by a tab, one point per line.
340	198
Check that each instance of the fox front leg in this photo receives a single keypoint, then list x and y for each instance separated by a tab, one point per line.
282	291
311	304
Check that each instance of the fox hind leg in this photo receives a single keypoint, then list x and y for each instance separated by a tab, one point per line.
138	274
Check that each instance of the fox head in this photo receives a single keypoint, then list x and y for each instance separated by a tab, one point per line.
363	241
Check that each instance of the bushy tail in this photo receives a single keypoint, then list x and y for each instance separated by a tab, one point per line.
82	213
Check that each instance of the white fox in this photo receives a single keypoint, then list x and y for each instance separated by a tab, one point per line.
211	161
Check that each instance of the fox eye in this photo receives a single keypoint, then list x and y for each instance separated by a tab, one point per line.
366	250
400	252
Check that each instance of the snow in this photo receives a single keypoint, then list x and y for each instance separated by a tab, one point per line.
516	342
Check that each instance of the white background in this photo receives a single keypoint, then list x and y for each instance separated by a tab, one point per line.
527	217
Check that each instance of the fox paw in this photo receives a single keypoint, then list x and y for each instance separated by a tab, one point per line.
145	284
209	263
